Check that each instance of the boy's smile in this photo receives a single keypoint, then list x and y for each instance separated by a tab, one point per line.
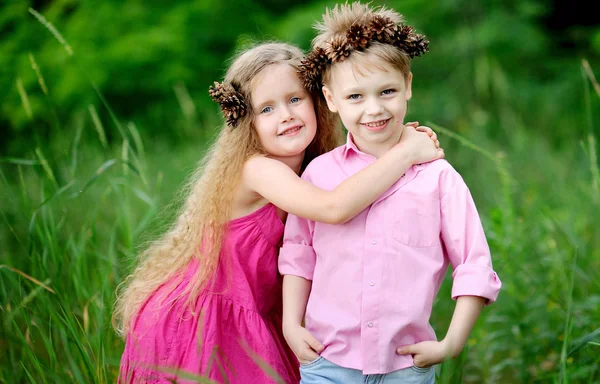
376	126
371	99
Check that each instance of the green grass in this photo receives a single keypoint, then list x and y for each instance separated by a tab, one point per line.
77	205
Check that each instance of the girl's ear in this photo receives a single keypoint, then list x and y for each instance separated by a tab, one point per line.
329	99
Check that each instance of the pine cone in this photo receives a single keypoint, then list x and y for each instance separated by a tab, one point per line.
233	108
421	46
358	36
338	49
231	102
411	43
383	29
402	35
312	67
218	91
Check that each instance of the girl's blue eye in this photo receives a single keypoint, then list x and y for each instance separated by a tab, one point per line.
266	110
388	91
355	96
294	99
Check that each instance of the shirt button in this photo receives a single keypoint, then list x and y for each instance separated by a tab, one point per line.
371	283
374	242
370	324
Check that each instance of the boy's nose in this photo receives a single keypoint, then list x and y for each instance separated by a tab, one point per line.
373	107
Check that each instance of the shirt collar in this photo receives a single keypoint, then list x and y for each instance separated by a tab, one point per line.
351	147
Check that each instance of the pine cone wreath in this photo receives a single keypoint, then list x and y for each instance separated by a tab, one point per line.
358	36
410	42
383	29
312	67
338	49
421	46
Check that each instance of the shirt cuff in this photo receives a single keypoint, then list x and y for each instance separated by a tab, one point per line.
475	280
298	260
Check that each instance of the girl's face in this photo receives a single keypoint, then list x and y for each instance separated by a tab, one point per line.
284	112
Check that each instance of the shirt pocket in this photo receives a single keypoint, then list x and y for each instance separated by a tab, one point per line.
416	221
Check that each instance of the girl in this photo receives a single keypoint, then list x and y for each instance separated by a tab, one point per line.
206	296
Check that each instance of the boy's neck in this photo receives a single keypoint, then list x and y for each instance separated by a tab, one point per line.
378	149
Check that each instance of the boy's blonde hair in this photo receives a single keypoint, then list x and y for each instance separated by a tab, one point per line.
201	226
354	32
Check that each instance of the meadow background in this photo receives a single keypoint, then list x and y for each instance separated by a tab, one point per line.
104	112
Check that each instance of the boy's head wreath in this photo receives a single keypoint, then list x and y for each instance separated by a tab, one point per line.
359	37
231	101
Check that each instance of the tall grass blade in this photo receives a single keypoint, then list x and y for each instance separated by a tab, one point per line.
38	74
582	342
76	143
46	166
125	156
14	160
24	98
98	125
32	279
590	74
52	30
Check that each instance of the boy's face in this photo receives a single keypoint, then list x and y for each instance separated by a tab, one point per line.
371	100
284	111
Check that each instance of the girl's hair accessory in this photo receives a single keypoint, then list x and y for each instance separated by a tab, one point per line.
358	37
231	101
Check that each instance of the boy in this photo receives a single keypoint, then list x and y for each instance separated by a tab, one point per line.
365	288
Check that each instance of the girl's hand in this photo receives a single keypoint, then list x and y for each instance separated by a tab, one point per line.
423	128
420	144
303	343
427	353
430	133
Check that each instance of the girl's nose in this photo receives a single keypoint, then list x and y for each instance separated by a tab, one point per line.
286	114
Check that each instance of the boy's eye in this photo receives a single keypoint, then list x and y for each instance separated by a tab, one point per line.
294	100
388	91
266	110
354	96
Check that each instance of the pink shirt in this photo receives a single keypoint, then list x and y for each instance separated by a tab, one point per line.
374	278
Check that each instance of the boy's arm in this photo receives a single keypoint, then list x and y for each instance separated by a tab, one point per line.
295	297
465	244
296	263
475	282
466	312
428	353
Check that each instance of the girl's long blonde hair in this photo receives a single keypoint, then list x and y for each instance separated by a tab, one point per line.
200	228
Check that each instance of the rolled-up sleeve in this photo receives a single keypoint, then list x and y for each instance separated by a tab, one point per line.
464	240
297	255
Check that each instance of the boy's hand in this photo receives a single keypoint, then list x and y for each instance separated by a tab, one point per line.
421	144
303	343
427	353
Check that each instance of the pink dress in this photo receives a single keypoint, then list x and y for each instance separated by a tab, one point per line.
232	331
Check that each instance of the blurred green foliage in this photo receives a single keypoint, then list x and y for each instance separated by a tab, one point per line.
97	132
484	55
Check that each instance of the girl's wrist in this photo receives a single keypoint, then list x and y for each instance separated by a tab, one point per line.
401	154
